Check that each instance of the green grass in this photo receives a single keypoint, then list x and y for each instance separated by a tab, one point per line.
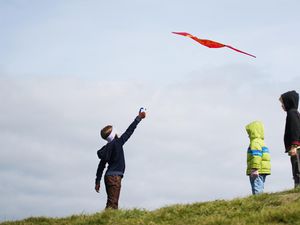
275	208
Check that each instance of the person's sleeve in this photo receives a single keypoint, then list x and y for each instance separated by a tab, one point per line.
127	134
100	169
293	128
256	155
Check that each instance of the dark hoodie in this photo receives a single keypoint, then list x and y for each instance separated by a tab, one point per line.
290	101
116	163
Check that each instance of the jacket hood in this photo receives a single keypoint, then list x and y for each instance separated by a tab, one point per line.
106	151
290	100
255	130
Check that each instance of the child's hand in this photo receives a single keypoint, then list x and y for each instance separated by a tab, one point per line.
254	173
142	113
97	187
292	151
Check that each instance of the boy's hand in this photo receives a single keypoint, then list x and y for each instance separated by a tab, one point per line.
97	187
142	113
254	173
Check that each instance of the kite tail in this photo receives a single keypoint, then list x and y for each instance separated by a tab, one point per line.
240	51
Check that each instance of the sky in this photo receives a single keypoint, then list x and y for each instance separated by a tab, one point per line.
69	68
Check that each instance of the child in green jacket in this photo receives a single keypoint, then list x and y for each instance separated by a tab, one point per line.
258	157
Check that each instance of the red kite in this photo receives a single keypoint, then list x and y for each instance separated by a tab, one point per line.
209	43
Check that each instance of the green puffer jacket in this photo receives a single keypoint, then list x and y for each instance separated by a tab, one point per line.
258	156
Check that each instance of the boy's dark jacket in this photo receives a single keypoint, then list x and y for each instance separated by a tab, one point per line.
292	126
116	161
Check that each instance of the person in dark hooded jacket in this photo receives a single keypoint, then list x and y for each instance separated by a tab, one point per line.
289	101
113	155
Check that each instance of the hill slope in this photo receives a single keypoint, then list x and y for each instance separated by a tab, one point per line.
275	208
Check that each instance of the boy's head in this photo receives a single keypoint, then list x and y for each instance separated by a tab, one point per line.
289	100
255	129
107	133
282	104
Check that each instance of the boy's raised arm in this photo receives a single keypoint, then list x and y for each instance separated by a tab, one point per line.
127	134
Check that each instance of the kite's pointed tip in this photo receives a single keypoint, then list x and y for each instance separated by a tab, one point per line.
181	33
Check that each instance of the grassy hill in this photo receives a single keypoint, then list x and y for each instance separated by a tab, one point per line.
274	208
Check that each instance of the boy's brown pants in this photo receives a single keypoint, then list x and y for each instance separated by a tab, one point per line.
113	188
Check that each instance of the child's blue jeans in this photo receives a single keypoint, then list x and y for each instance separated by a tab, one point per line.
257	183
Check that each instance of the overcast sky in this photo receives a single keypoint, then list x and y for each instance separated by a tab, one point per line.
68	68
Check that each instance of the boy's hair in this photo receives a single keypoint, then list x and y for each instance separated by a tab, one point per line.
105	132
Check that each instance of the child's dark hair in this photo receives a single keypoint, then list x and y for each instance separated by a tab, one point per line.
105	132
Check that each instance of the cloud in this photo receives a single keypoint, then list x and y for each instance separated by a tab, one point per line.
191	147
67	70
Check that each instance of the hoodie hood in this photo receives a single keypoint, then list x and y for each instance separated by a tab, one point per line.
255	130
290	100
106	151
